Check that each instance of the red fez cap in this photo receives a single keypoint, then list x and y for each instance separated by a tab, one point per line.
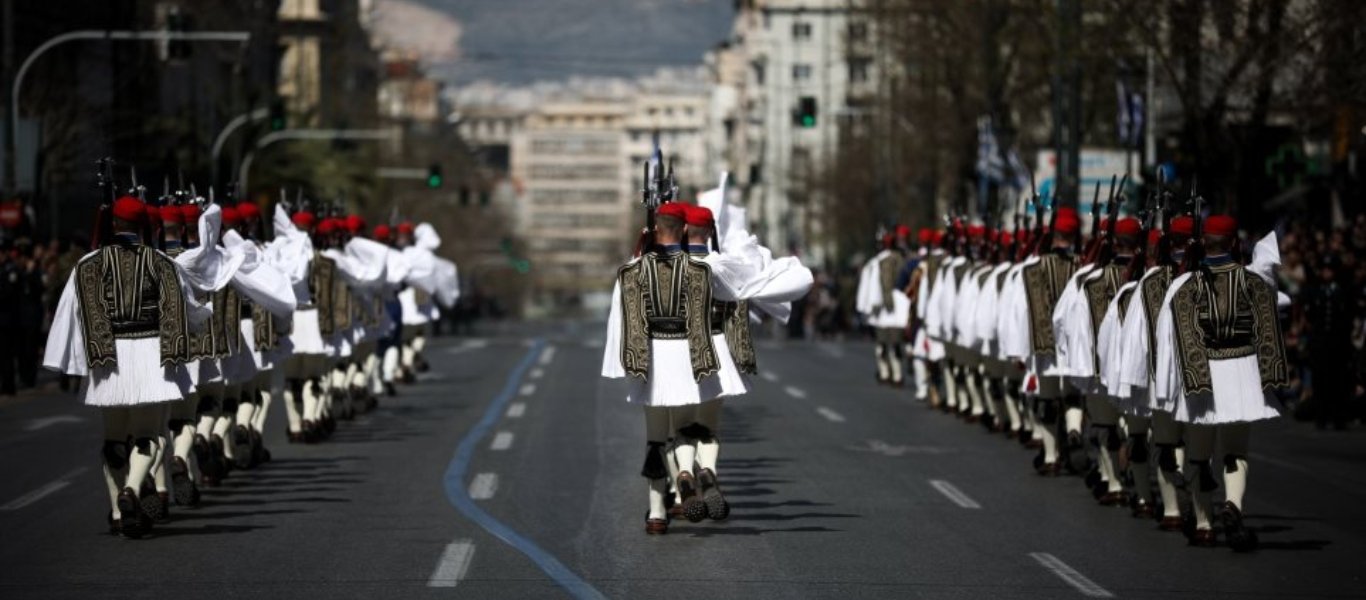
355	224
247	209
189	213
382	232
1221	225
888	239
172	214
1128	227
405	228
903	231
129	208
926	236
1067	222
673	209
976	231
1154	236
938	237
303	219
1183	225
231	216
1005	238
700	216
327	226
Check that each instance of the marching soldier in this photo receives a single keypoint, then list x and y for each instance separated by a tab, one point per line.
1220	358
886	308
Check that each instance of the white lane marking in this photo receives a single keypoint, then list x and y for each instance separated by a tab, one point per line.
430	377
830	415
516	410
483	486
536	373
547	355
528	389
501	441
794	392
883	448
1071	576
468	345
44	491
769	376
954	494
46	422
453	564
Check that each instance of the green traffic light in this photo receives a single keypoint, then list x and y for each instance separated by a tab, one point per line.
808	121
277	124
433	181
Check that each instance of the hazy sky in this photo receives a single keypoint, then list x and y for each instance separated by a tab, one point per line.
517	41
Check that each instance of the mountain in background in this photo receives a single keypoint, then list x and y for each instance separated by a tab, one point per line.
520	41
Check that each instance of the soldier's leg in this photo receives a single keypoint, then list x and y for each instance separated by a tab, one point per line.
1105	419
708	452
897	357
1233	440
1200	451
1009	401
146	427
972	377
884	367
222	427
114	455
950	370
1166	436
684	420
1048	409
1139	465
921	372
654	471
183	432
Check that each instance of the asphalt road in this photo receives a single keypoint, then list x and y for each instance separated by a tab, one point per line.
511	470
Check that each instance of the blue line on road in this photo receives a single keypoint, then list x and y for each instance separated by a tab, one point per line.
460	497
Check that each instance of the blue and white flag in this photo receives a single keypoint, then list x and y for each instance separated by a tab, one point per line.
989	162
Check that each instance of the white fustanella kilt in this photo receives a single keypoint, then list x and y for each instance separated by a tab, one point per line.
137	377
1237	396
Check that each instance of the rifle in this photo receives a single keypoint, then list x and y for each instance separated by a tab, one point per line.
1107	246
1149	217
1195	252
1015	240
104	216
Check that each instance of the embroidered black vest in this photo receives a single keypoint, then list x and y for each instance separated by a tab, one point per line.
1044	282
1223	312
131	291
666	297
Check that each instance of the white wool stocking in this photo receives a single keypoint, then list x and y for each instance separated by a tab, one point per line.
1235	438
950	387
884	369
894	362
391	362
1009	403
708	452
922	379
657	432
292	410
1072	418
310	401
974	394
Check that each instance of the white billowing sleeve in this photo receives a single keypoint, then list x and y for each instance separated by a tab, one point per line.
984	311
1014	314
209	267
260	281
65	350
729	276
611	351
425	237
1266	258
964	332
447	282
291	252
396	268
1108	346
1166	376
1133	342
369	260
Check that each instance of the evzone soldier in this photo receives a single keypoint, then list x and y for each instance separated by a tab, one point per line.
1137	362
123	324
1220	359
293	250
941	322
925	352
1038	287
660	338
966	344
1092	300
886	309
996	369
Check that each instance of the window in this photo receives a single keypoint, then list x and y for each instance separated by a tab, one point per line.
801	72
801	31
759	73
858	31
858	69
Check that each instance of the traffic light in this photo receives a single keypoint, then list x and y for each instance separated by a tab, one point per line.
277	115
434	176
805	115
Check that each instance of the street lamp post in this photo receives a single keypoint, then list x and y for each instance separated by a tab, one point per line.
308	134
238	121
12	135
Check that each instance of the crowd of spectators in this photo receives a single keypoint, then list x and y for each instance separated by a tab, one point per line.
1324	272
32	276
